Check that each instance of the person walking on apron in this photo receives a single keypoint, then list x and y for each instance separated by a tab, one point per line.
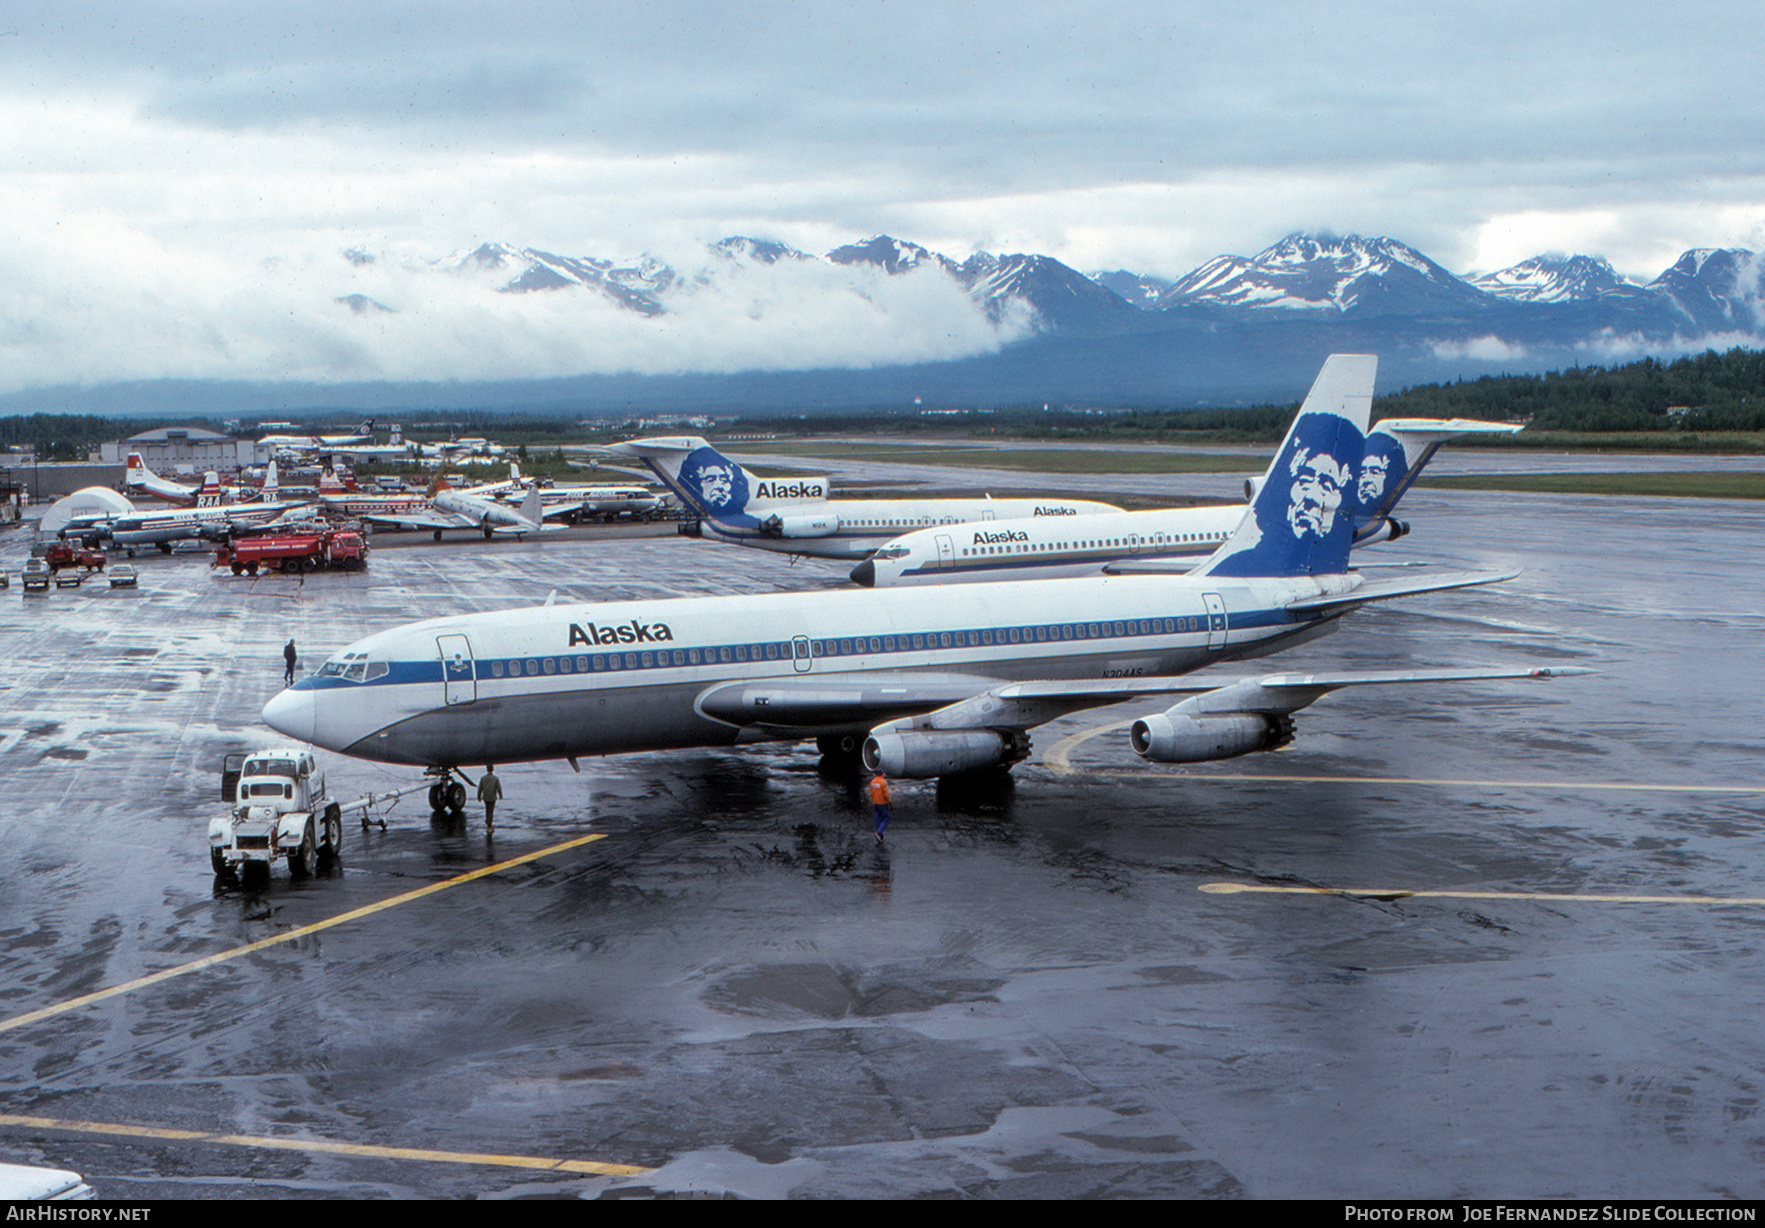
879	799
490	792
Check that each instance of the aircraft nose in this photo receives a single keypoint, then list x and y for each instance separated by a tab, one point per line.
865	574
293	713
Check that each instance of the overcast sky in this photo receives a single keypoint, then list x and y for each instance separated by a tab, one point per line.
179	180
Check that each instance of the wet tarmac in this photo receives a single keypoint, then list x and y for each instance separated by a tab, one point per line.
1034	989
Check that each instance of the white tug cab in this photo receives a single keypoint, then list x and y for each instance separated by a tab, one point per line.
279	809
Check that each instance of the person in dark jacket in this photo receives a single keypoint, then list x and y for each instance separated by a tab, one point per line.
490	792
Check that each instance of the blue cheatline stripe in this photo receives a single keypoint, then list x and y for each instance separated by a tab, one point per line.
778	652
1032	559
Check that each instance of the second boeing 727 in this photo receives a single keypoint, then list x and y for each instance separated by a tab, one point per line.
931	682
796	516
1165	539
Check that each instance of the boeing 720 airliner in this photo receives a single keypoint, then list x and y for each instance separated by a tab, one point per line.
796	516
929	682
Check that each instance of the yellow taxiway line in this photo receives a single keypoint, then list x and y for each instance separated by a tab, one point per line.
209	961
1399	893
542	1163
1058	760
310	1145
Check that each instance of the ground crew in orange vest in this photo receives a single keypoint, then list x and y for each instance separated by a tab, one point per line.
879	798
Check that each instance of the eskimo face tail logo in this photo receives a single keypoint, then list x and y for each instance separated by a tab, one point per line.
1316	494
1303	518
717	483
1382	473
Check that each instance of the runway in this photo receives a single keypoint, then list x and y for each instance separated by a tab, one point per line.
1475	941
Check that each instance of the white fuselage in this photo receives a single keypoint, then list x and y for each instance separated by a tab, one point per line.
1045	548
568	680
157	528
578	501
856	527
361	503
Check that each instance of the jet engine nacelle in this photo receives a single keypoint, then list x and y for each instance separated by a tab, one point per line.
1178	737
919	754
1387	530
1251	488
800	524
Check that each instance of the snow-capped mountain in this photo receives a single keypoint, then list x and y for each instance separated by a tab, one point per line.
637	285
756	251
1060	297
1140	290
1717	289
1554	279
891	255
1310	273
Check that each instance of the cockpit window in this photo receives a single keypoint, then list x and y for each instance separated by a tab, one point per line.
352	667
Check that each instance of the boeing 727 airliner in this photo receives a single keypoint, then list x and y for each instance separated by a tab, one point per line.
795	515
930	682
1163	539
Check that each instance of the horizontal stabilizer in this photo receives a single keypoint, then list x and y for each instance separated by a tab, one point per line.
1386	590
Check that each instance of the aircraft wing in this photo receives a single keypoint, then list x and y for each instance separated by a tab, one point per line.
791	707
519	529
416	522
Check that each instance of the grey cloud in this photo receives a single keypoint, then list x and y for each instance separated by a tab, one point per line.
482	93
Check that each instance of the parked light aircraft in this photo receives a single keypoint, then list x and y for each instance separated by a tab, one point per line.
141	480
1165	539
359	446
184	524
578	503
930	682
213	518
796	516
455	451
474	508
363	434
343	497
491	516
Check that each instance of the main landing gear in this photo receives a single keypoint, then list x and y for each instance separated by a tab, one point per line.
446	795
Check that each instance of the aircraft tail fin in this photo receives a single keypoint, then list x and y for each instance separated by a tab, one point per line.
1301	520
707	481
1398	449
533	508
138	478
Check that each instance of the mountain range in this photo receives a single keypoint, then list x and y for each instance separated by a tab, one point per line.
1350	278
1235	330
